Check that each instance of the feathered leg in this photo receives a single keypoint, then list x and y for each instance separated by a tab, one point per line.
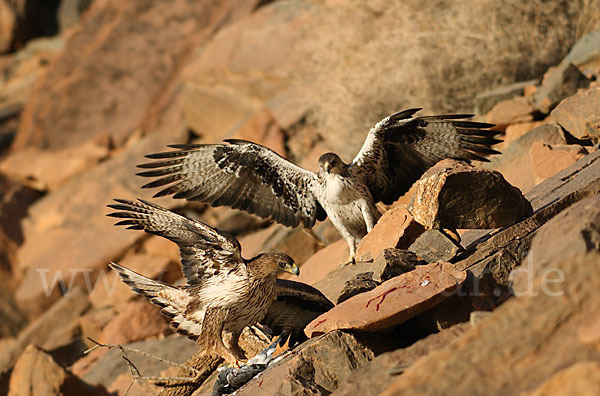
212	334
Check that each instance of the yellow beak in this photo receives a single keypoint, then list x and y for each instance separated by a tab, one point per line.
327	166
293	270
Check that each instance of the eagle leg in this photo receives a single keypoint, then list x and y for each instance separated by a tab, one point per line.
231	343
212	334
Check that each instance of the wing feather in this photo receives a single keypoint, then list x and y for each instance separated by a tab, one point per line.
204	250
400	148
240	174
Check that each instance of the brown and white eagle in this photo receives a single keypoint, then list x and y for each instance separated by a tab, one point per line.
248	176
224	291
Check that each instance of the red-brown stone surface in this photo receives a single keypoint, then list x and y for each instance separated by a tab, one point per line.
393	302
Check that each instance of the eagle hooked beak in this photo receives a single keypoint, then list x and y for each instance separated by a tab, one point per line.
293	269
327	167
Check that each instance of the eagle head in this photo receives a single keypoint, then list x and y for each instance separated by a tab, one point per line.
331	163
275	262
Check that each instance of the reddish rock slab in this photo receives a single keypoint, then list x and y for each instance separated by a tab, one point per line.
549	159
579	114
515	131
515	161
510	111
393	302
453	194
395	229
37	374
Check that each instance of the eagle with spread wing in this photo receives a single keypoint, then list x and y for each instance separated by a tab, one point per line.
224	291
250	177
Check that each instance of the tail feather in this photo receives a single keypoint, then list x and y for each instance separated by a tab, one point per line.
172	300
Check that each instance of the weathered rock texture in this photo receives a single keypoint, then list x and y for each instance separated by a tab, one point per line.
519	352
393	302
318	367
454	194
37	374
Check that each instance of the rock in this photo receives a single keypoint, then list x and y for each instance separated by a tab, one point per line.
393	262
572	232
7	26
434	245
515	162
50	170
334	282
92	323
536	351
319	265
571	185
515	131
317	367
123	385
585	49
72	218
69	12
393	302
15	200
558	83
111	365
396	228
76	101
454	194
138	320
11	319
37	374
486	100
510	111
579	115
47	331
361	283
549	159
373	377
241	72
582	378
477	317
262	128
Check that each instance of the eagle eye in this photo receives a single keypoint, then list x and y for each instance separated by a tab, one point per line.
282	264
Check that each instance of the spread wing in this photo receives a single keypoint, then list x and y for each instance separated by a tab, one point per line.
205	252
400	148
242	175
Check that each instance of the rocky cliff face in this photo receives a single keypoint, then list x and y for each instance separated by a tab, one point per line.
483	279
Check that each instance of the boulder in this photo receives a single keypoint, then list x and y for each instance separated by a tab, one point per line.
56	327
395	229
334	282
393	262
515	162
318	366
435	245
549	159
485	101
361	283
510	111
515	131
374	377
37	374
522	354
454	194
393	302
579	114
320	264
490	256
7	26
558	83
572	232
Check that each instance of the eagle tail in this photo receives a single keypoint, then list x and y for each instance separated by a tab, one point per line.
172	300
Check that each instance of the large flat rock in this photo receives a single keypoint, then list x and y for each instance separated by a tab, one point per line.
393	302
